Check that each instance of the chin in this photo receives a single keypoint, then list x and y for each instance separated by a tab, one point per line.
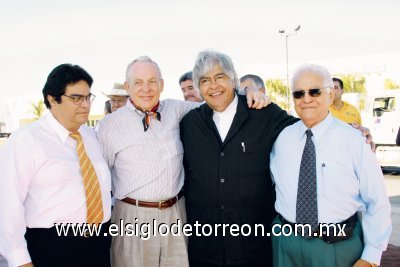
83	120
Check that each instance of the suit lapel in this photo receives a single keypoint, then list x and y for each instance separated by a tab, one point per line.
241	115
207	115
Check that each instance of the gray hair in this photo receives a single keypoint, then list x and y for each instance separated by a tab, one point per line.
142	59
318	69
256	79
206	60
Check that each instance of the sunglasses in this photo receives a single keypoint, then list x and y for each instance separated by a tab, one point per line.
316	92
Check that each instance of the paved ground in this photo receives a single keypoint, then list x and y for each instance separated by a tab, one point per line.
391	258
393	188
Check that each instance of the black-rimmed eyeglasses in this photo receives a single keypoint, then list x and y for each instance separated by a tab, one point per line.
78	99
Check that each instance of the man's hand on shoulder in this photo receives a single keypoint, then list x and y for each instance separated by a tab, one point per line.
255	98
367	133
27	265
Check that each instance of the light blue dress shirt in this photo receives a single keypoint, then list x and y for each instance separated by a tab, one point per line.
349	179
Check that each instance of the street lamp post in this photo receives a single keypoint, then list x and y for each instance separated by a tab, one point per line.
286	35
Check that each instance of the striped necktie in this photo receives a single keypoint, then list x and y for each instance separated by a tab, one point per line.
94	203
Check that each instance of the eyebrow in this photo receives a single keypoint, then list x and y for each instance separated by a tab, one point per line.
79	94
220	73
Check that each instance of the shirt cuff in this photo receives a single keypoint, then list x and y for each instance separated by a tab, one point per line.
18	257
372	254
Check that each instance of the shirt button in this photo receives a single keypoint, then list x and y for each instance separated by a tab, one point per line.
222	154
222	180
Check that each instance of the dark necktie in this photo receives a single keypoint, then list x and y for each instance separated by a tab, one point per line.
306	206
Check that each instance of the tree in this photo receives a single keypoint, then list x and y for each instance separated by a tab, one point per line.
353	83
38	109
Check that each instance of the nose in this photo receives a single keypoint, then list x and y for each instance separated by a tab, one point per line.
307	98
115	105
213	83
146	88
85	103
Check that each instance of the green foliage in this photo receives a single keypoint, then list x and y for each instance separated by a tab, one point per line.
38	109
353	83
276	91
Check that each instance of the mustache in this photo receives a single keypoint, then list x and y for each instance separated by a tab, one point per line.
189	96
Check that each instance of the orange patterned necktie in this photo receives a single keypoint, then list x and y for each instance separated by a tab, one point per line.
94	203
148	114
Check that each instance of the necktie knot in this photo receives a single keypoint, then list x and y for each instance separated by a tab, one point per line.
148	115
76	135
309	133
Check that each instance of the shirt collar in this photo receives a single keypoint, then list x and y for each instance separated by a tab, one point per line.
57	127
140	113
231	109
345	104
319	129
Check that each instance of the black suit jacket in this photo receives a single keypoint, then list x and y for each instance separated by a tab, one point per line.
229	182
398	137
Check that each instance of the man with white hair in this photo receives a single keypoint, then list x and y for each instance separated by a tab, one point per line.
142	147
324	174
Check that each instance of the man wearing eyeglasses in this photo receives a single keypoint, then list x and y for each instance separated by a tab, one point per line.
53	173
324	174
227	176
118	96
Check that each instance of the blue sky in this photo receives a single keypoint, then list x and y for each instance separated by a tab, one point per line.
104	36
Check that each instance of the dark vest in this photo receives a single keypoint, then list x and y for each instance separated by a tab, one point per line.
229	182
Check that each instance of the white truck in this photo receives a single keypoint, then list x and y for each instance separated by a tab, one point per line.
382	117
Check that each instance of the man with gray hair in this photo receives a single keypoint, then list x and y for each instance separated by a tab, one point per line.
248	79
324	174
226	161
142	147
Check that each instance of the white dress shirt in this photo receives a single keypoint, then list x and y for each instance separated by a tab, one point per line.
223	120
349	179
41	183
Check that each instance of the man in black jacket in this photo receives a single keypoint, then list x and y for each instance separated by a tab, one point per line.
228	186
